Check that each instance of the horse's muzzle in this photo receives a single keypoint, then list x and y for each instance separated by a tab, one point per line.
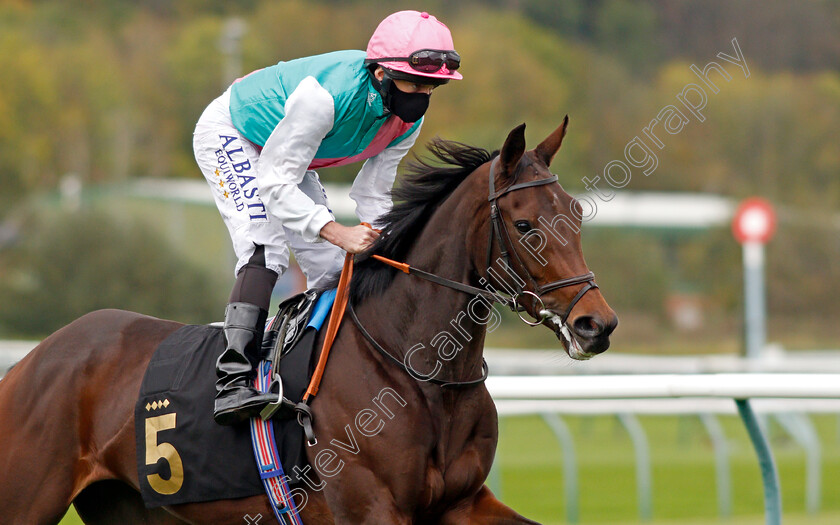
593	332
587	336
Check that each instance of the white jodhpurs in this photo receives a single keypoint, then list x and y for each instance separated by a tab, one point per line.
229	163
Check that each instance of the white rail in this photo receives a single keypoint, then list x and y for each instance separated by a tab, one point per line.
789	395
732	386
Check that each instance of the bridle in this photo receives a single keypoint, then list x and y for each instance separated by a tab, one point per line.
499	232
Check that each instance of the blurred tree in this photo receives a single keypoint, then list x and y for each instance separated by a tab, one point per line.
29	104
804	287
776	34
627	29
193	64
112	89
630	268
69	264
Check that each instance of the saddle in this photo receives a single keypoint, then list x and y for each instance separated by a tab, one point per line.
183	456
288	342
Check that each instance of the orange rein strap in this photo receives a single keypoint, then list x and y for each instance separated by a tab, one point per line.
403	267
336	315
340	305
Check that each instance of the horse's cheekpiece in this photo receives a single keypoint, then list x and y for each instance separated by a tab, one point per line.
183	456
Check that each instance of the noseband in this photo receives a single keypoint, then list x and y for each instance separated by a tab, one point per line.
499	232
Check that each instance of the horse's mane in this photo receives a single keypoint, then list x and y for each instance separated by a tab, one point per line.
424	187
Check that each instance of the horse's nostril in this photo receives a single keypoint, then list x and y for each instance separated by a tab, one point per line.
587	326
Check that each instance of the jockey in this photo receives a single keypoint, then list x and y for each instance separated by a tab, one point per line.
258	146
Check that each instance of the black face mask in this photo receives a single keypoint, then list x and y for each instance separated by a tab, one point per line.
410	107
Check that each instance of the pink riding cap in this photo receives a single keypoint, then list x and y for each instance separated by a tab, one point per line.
405	32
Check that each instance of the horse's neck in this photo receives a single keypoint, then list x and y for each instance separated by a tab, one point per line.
443	321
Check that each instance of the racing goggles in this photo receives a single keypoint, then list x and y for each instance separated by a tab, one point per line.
428	60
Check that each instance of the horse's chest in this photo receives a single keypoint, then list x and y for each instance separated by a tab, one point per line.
444	488
457	468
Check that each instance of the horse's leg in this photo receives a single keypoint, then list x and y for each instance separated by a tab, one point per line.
353	511
359	497
38	446
484	509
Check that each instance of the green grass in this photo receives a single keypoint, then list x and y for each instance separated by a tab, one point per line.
826	518
682	468
682	458
71	518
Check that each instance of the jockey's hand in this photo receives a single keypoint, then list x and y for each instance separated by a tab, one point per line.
352	239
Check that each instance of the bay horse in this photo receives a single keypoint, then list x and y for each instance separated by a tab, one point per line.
67	409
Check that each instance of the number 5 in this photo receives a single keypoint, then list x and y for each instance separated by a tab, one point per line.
156	451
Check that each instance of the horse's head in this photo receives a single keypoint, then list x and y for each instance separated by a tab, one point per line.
535	232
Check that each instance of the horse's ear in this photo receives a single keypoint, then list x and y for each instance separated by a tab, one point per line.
513	150
548	148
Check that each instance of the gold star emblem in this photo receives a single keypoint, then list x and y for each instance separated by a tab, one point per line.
217	172
221	184
227	195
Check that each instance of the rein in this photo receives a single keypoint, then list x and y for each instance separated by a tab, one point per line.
499	233
449	283
485	371
497	230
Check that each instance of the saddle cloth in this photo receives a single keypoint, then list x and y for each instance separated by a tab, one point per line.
183	456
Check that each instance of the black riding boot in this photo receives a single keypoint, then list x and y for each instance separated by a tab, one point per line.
236	399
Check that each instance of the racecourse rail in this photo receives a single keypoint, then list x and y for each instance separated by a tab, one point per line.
693	393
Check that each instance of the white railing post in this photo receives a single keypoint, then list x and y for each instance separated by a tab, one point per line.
570	470
802	431
722	475
643	478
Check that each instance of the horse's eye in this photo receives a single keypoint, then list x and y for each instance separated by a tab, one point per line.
523	226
